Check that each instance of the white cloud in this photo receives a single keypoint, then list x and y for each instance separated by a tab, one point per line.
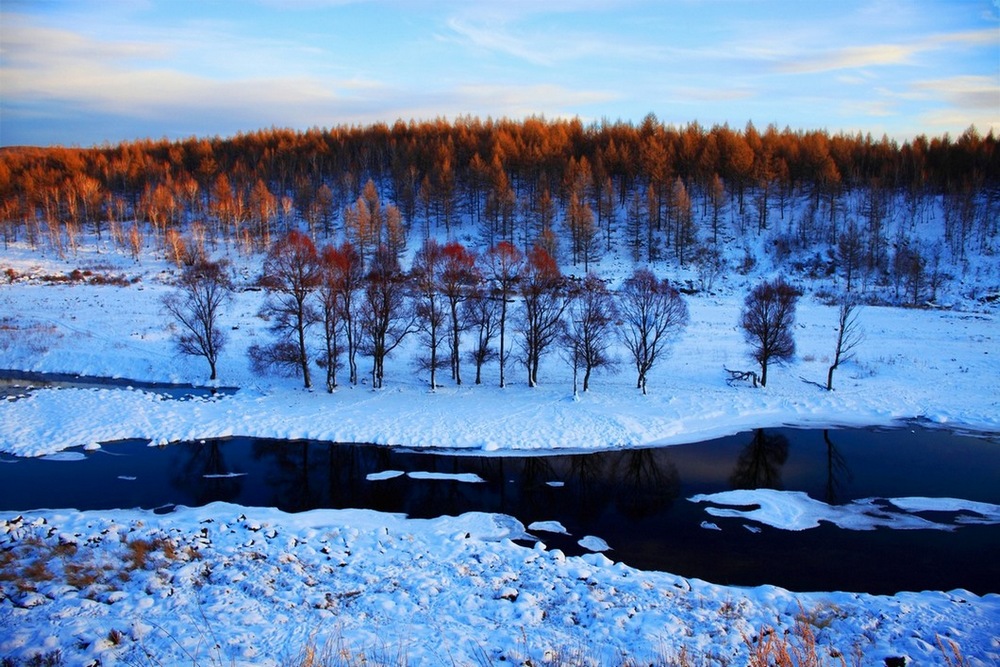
969	92
496	38
860	57
134	78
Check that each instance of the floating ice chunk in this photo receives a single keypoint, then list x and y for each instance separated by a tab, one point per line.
224	475
469	477
708	525
548	527
384	475
555	485
916	504
65	456
788	510
592	543
127	478
795	510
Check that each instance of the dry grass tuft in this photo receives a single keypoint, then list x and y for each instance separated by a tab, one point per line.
952	653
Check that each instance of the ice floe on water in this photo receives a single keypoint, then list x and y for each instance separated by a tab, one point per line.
795	510
548	527
64	456
384	475
593	543
467	477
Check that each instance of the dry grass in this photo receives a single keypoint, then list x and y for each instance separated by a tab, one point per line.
952	653
138	554
27	564
792	648
82	575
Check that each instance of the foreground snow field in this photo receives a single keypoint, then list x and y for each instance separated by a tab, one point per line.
225	584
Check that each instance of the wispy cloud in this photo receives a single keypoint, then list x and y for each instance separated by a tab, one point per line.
497	38
521	34
45	69
857	57
95	69
875	55
134	78
967	92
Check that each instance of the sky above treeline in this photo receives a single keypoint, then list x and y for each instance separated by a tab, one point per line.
86	72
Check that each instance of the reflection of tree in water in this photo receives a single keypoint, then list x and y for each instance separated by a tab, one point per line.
759	464
536	494
288	474
207	459
644	485
348	470
586	472
837	471
306	475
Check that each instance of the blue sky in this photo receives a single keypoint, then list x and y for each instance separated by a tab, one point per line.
82	72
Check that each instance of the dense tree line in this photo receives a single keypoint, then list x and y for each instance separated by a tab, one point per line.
664	192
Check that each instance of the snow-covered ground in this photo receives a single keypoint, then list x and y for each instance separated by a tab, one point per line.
225	584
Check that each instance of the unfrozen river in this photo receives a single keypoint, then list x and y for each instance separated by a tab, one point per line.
637	501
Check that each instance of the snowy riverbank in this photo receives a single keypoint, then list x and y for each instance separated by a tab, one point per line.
230	585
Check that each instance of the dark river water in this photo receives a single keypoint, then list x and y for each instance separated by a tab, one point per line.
635	500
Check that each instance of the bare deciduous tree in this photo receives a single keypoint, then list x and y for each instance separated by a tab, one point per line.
482	312
341	279
458	279
430	307
291	273
544	304
652	311
385	316
504	265
767	320
589	330
203	290
849	336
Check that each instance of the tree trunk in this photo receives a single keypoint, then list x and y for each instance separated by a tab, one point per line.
433	363
304	358
455	353
503	323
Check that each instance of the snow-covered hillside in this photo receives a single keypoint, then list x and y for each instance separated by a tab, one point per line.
937	365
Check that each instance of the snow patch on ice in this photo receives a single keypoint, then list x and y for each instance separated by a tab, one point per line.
384	475
468	477
593	543
548	527
795	510
65	456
